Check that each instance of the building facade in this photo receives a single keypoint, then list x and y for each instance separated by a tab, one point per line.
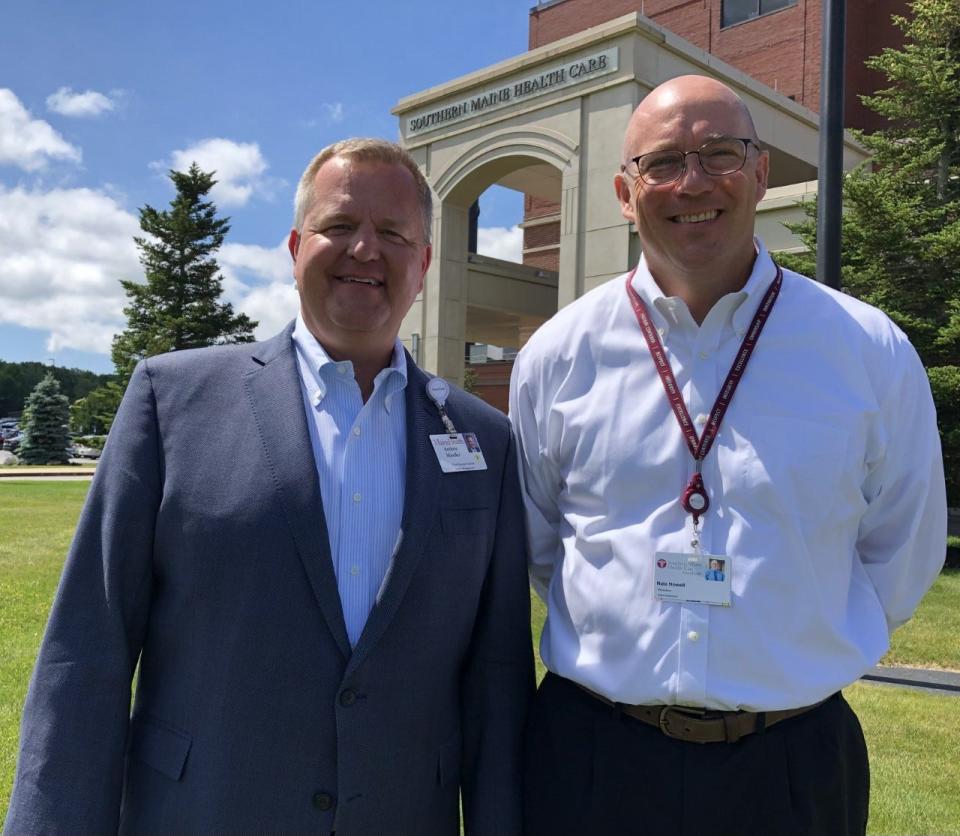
776	42
549	123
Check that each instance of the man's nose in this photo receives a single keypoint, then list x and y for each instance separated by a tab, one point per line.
693	178
365	243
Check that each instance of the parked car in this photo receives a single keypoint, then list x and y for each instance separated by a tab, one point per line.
81	451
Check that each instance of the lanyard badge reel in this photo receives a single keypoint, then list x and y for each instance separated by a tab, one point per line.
694	499
439	390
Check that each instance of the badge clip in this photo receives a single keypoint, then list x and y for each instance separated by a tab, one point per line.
439	390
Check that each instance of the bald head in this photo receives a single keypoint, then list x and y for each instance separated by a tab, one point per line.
696	228
679	96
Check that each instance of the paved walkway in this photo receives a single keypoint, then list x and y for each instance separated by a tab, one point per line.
54	474
945	683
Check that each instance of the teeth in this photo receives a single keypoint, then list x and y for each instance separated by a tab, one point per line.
695	219
358	280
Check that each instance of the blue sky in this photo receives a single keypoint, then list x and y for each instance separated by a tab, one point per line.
98	100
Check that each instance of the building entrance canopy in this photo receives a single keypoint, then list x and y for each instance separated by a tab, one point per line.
550	123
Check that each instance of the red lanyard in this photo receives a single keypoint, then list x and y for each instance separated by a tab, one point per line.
694	497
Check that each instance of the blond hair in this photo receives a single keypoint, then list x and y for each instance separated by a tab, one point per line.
364	150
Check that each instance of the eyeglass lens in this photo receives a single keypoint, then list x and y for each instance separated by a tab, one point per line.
721	156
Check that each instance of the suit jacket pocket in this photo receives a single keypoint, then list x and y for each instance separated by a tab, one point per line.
448	763
161	747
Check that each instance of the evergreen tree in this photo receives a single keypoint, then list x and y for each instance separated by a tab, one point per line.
46	412
94	414
901	222
179	305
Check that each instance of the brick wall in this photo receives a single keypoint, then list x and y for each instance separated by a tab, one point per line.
781	49
538	207
541	235
492	383
545	259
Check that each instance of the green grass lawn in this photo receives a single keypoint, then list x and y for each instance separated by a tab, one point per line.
36	523
913	737
931	639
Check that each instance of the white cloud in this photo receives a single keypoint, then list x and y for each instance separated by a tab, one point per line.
62	254
273	264
273	304
27	142
333	111
500	242
239	167
89	103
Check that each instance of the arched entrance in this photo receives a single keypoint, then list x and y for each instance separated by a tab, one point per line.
550	123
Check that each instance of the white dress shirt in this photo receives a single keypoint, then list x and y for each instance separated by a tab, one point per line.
825	483
360	453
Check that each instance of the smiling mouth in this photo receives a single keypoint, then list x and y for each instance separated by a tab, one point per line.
699	218
360	280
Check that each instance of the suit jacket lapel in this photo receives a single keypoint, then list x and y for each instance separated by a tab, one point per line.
273	387
419	507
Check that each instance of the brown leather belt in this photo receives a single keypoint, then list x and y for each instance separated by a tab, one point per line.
696	725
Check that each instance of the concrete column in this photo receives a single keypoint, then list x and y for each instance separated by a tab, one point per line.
444	294
570	281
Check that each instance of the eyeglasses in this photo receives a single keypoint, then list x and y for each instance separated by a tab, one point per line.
716	158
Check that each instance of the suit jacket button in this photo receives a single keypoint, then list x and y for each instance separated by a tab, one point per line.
322	800
348	698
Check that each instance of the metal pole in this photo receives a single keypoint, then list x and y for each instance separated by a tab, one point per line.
830	172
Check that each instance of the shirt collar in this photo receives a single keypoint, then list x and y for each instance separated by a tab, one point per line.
737	307
320	371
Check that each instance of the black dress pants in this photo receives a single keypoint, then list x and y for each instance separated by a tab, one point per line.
592	771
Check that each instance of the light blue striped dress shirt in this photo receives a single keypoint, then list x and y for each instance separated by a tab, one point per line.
360	453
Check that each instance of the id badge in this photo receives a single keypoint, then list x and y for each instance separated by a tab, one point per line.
692	578
458	452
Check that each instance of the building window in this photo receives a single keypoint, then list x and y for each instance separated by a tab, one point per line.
737	11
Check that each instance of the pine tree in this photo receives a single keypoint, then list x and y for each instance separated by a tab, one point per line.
94	413
901	223
179	305
46	412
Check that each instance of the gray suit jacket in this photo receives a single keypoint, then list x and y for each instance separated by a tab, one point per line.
202	553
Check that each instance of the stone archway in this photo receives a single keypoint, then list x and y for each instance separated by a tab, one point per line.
458	280
561	111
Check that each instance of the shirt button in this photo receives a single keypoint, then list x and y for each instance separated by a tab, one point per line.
704	355
693	635
356	431
348	698
322	800
341	369
356	496
354	570
701	419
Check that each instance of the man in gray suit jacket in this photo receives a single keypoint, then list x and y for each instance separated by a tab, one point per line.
289	681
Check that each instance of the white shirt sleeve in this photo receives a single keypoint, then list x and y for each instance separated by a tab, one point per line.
539	480
902	537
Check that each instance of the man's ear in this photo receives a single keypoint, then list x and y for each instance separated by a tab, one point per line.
425	265
621	185
763	171
293	244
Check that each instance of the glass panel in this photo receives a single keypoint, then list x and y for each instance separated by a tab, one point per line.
773	5
736	11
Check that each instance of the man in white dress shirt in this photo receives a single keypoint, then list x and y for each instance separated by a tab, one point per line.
709	405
